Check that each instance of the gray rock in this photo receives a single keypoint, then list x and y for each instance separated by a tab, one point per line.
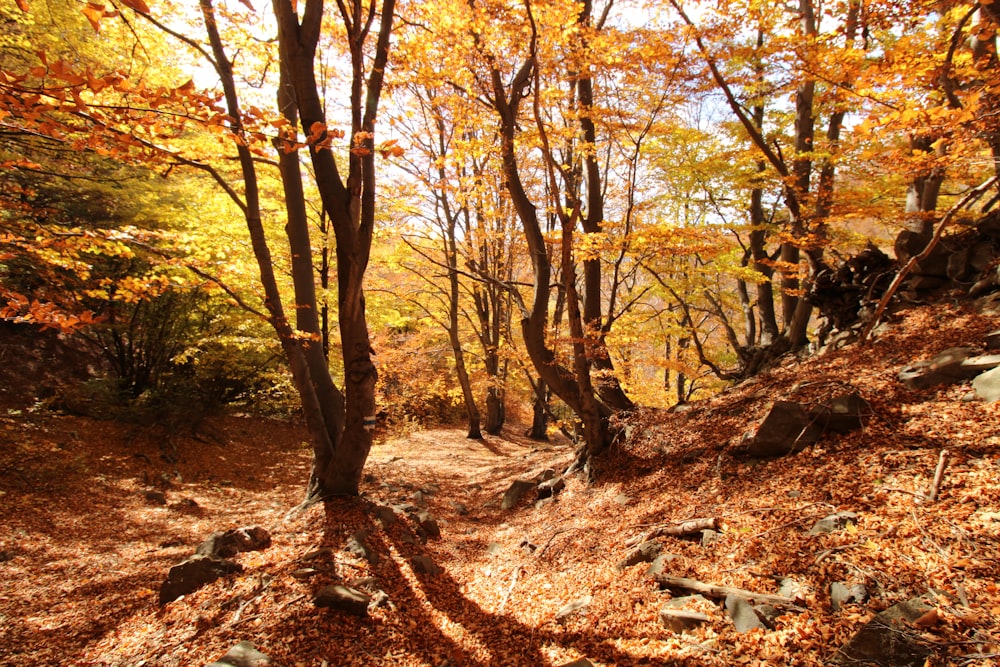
790	588
621	499
786	428
843	413
742	613
460	508
551	487
644	553
543	475
833	522
580	662
888	640
343	598
428	524
386	515
709	537
424	565
231	542
578	605
494	549
516	492
945	368
682	620
242	655
190	575
659	564
974	366
357	545
993	340
156	497
987	386
841	594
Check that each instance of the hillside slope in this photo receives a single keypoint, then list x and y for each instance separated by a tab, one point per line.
92	517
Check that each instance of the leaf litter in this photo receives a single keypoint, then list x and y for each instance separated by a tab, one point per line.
85	540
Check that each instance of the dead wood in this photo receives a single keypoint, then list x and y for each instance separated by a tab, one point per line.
711	590
690	527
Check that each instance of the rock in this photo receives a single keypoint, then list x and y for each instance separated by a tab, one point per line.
578	605
682	620
193	573
303	573
742	613
343	598
790	588
357	545
841	594
768	614
543	475
460	508
786	428
644	553
977	365
987	386
385	514
833	522
242	655
429	524
843	414
709	537
155	497
579	662
551	487
944	368
231	542
494	549
515	492
887	640
621	499
993	340
659	564
424	565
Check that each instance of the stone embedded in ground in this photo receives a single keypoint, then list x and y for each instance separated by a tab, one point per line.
843	413
385	514
682	620
978	365
429	524
709	537
947	367
424	565
842	593
156	497
343	598
833	522
231	542
786	428
659	564
515	492
578	605
357	545
551	487
742	613
790	588
993	340
621	499
644	553
987	386
888	640
543	475
190	575
243	654
579	662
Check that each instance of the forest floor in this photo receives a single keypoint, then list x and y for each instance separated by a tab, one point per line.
86	539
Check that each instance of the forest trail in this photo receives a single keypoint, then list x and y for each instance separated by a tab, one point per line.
92	517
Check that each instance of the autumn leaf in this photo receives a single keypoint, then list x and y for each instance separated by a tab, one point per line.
22	5
94	14
137	5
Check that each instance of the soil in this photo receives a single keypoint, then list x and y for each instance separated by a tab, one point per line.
94	513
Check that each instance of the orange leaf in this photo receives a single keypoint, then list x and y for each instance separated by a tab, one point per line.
23	5
928	619
137	5
94	14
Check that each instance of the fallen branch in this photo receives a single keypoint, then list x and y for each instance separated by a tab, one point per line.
510	589
938	476
689	527
711	590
